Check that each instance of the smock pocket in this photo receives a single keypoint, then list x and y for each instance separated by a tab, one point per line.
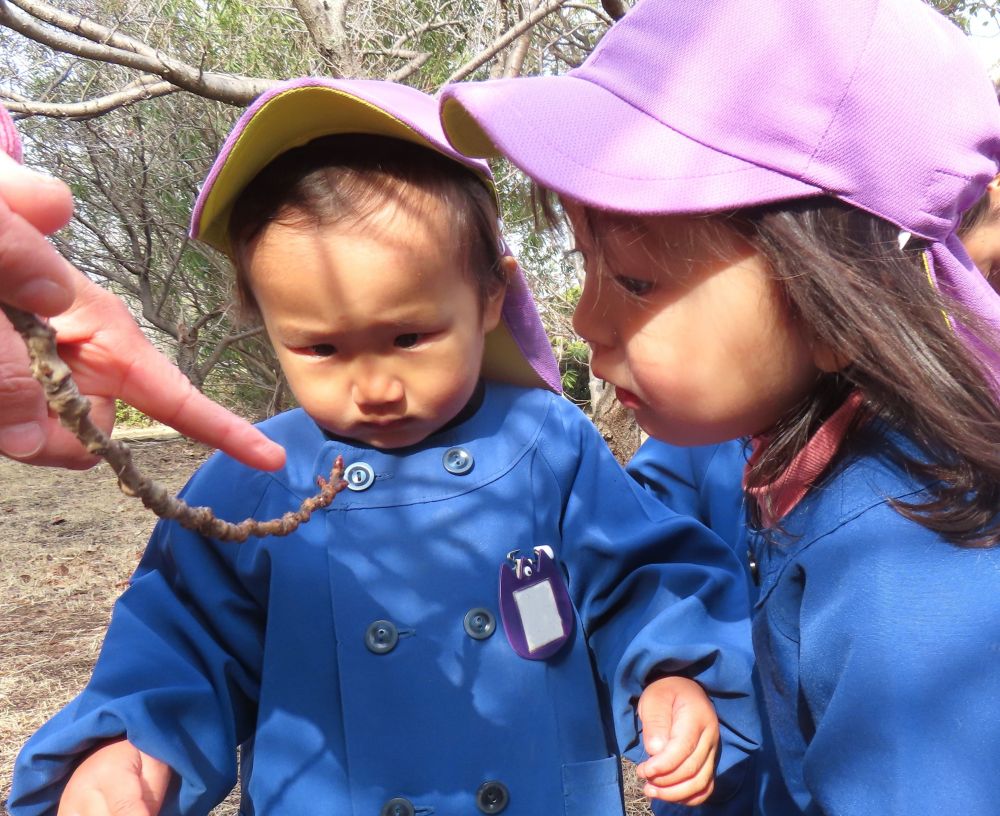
593	788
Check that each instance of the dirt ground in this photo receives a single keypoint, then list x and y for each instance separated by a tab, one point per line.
68	543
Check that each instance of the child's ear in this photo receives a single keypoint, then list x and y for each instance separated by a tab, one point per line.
993	190
498	290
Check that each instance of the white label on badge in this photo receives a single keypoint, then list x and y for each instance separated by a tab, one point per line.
539	615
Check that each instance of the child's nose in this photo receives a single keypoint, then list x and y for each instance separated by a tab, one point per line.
590	321
373	389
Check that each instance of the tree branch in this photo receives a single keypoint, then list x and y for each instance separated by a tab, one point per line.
228	88
414	65
73	410
525	25
82	27
138	92
325	20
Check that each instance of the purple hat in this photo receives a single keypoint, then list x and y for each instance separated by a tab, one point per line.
690	107
10	142
294	113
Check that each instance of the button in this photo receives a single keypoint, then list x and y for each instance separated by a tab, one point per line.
458	461
359	476
398	807
754	569
492	797
480	623
381	637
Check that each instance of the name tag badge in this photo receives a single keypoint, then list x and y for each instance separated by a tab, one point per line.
535	607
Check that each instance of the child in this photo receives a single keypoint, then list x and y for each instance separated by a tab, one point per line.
766	195
374	662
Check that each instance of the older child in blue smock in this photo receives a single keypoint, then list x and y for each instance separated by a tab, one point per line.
767	197
487	616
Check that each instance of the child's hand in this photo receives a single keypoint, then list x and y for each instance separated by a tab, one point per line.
116	780
680	731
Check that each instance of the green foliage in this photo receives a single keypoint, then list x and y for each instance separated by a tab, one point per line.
128	417
574	368
963	12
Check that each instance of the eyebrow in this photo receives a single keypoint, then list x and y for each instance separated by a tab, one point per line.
403	323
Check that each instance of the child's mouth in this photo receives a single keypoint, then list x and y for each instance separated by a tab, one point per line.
627	398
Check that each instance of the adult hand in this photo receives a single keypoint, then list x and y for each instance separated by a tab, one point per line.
98	338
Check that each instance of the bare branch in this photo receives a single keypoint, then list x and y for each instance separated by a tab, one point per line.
592	10
430	25
410	68
515	59
73	409
220	348
82	27
525	25
91	107
325	22
228	88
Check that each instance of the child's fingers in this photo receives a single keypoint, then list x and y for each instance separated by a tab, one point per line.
155	779
116	779
698	758
693	792
693	781
691	736
669	757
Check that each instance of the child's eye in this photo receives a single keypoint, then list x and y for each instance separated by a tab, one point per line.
319	350
634	286
407	340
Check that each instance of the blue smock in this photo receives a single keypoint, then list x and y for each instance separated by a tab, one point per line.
878	649
268	644
704	482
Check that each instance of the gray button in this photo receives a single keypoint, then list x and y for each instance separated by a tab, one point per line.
458	461
492	797
398	807
381	637
359	476
480	623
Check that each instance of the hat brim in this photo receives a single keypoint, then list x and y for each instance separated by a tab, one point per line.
583	142
295	115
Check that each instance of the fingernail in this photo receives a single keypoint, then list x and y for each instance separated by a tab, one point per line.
22	441
45	297
655	745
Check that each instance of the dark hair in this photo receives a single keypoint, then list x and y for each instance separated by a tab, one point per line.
977	215
845	279
347	178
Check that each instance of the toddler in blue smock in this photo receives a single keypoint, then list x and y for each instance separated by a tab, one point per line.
488	615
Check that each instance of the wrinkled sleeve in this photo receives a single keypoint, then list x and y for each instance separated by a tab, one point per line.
658	594
667	472
899	671
178	671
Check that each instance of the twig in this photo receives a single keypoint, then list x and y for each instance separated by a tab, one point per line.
73	410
